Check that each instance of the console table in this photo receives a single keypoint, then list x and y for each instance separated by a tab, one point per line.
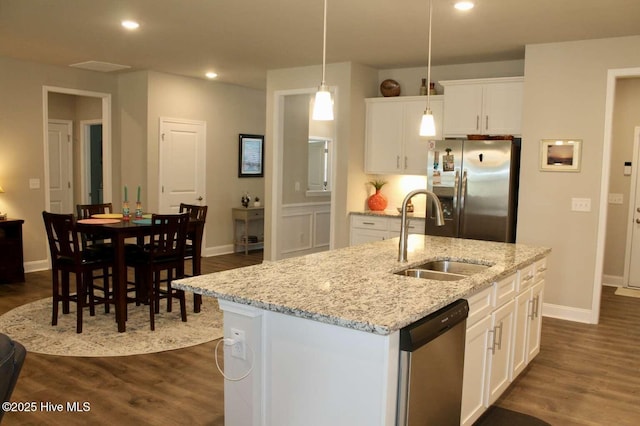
244	216
11	258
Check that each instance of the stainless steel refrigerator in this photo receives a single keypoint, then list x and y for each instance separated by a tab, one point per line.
477	183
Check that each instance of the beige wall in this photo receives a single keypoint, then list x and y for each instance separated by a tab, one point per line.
228	111
22	139
295	138
626	119
564	97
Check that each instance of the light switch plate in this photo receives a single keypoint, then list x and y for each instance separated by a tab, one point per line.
581	204
34	183
616	198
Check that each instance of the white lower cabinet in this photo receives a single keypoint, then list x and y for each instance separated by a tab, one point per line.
367	228
503	336
500	345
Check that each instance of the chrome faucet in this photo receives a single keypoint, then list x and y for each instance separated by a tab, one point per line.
404	230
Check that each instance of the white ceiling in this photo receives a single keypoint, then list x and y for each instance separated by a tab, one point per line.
241	39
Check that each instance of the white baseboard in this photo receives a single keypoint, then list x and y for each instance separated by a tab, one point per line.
613	280
36	265
567	313
217	250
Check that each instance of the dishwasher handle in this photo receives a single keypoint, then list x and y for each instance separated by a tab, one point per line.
423	331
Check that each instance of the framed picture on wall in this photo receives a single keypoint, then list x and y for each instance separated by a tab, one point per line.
560	155
251	156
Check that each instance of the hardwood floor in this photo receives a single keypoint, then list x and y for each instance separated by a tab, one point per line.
584	374
170	388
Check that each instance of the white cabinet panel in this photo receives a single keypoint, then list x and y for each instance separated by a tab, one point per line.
393	144
483	106
475	370
368	228
500	346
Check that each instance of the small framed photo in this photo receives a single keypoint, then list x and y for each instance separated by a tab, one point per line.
560	155
251	156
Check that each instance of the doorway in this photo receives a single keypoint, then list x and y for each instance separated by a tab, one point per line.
60	176
78	161
92	179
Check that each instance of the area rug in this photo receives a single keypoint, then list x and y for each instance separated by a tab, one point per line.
498	416
629	292
30	325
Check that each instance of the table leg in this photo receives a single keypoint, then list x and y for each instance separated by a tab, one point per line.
197	256
120	283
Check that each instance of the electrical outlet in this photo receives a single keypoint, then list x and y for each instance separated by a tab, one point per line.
239	349
581	204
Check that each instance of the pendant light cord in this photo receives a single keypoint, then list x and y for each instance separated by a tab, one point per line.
428	60
324	42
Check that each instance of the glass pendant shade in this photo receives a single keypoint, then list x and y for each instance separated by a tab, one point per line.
323	105
427	125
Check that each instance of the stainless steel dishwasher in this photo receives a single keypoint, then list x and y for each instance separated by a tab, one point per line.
431	366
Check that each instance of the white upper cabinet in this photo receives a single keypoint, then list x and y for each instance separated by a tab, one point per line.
393	144
483	106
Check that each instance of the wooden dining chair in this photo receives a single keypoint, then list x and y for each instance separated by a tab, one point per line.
68	258
195	213
163	253
95	245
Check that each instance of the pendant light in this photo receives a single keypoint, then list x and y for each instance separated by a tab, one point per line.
323	105
428	125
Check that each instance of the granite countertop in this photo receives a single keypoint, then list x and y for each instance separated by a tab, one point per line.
356	287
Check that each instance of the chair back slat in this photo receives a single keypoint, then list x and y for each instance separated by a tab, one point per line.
62	235
168	235
85	211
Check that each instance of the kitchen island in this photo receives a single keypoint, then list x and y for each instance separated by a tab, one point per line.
322	330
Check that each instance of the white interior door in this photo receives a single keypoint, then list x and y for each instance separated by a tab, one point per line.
59	142
182	163
632	255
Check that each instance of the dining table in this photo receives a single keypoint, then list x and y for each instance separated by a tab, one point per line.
118	231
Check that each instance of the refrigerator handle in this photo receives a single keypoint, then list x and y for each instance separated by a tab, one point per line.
456	185
463	194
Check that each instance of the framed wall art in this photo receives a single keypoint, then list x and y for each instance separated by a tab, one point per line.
560	155
251	156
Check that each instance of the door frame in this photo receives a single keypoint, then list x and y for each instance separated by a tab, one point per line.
107	175
85	160
275	207
632	207
612	76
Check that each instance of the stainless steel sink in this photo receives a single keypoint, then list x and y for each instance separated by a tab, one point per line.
453	267
443	270
431	275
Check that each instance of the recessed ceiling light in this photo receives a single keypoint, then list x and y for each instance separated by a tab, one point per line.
211	74
130	25
464	5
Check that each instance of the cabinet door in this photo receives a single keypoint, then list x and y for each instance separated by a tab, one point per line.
361	236
520	333
535	320
414	159
462	109
500	347
475	371
383	137
502	109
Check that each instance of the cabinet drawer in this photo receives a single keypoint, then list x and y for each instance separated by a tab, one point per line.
368	222
540	268
416	226
505	290
526	278
479	305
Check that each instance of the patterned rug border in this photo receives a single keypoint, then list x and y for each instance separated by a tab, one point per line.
30	324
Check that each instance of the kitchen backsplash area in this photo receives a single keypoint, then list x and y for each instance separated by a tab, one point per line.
397	187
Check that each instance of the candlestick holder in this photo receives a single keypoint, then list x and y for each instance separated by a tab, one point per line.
138	210
126	213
